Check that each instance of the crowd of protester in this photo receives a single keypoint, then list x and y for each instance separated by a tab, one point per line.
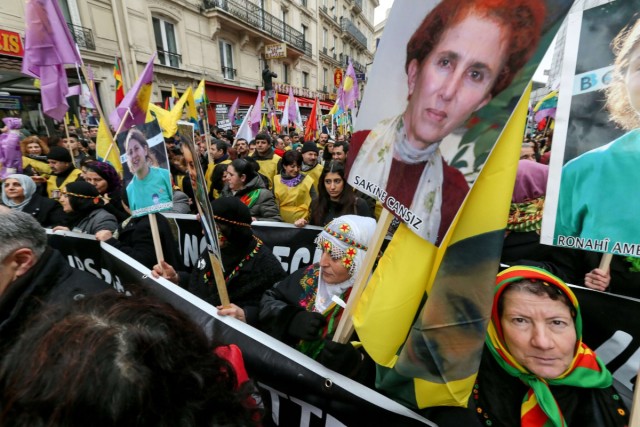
275	177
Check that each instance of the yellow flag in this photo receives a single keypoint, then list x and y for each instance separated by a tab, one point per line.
432	359
199	94
192	114
174	92
103	142
168	120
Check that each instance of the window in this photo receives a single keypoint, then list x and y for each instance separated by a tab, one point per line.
303	2
226	60
166	44
304	33
284	16
325	37
285	73
324	79
305	80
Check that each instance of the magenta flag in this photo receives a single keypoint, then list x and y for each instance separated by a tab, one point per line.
349	92
232	111
134	106
293	114
48	47
256	114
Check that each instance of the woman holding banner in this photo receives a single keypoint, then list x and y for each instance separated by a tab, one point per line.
304	309
535	369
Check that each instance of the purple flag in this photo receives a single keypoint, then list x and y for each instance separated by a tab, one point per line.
293	115
232	111
136	101
256	114
48	46
349	91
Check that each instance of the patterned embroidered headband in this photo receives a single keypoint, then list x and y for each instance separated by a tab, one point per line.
241	224
96	199
344	238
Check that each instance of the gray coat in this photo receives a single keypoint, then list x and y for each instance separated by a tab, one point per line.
97	220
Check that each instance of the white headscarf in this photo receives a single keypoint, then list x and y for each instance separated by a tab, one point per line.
346	237
28	187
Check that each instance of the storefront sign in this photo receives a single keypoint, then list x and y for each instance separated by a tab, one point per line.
11	43
276	50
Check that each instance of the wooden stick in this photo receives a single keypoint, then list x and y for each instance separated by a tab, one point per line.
124	119
207	138
219	276
156	237
605	262
345	327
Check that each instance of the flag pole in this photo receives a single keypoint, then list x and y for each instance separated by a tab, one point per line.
345	327
124	119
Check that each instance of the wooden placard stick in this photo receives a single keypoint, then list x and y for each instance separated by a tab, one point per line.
345	327
218	274
155	233
605	262
207	138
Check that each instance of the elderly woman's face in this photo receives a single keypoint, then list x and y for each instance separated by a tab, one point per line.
13	189
539	332
632	79
333	269
454	80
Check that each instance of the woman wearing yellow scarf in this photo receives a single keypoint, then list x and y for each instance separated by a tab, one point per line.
537	371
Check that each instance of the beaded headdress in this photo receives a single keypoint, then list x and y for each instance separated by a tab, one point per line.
338	239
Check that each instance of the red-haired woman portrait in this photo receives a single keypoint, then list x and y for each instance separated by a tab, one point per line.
461	56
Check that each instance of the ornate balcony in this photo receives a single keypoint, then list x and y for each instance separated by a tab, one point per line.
82	36
350	29
260	20
170	59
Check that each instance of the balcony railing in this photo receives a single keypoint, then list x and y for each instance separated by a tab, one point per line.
82	36
259	19
170	59
229	73
351	29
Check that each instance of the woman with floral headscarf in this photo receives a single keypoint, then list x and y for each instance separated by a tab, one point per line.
535	370
304	309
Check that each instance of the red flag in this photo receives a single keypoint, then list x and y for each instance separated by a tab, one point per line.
119	86
311	127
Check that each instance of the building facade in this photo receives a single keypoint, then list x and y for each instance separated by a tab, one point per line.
226	42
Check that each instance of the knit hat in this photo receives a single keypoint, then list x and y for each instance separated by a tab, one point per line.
309	146
60	154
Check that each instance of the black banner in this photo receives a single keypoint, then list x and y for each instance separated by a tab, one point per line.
297	390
